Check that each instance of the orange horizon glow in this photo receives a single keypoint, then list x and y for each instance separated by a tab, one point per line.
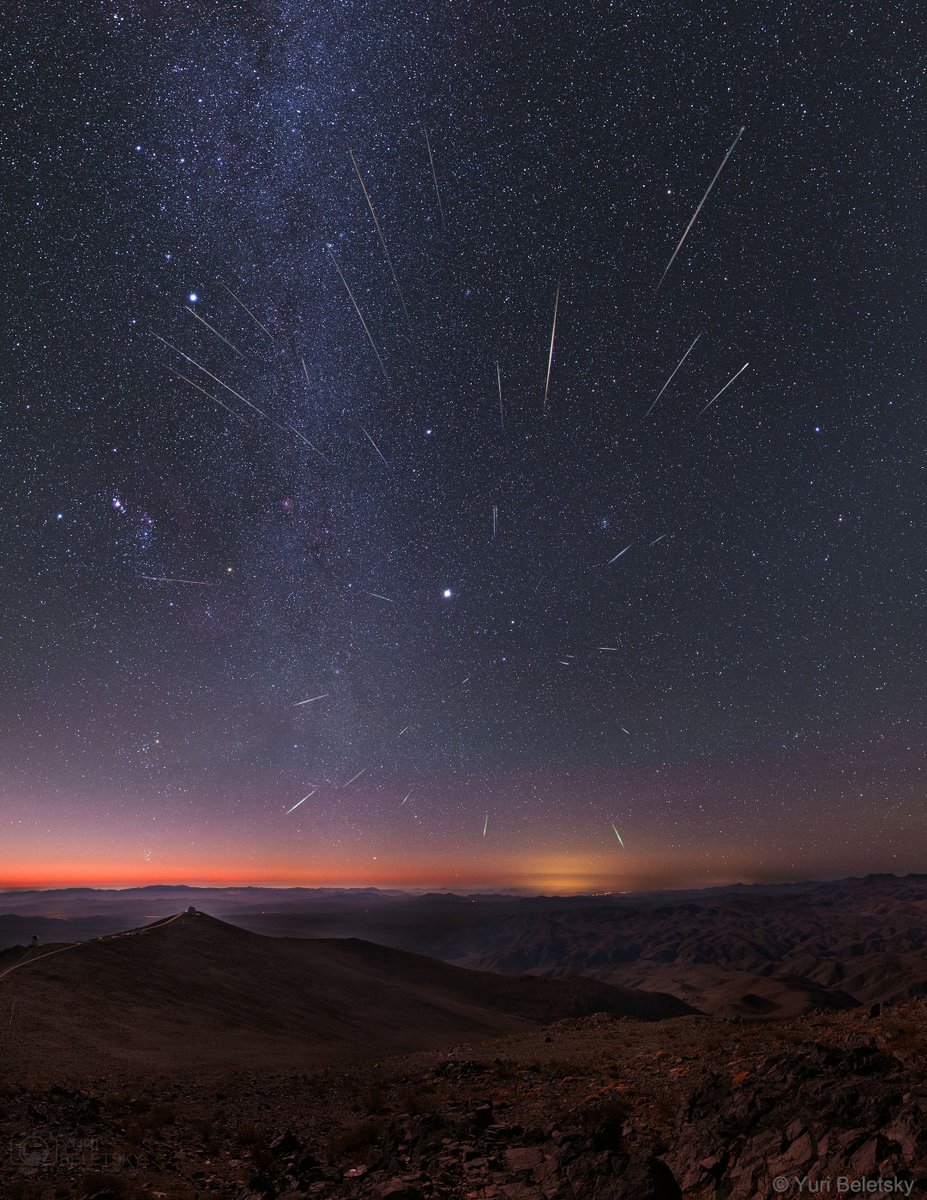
552	869
550	874
537	877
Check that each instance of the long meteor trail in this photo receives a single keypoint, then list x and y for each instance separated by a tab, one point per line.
699	209
237	395
315	449
171	579
617	834
228	408
373	345
550	357
670	380
249	312
376	223
216	379
375	446
203	321
311	699
299	802
431	163
724	389
619	554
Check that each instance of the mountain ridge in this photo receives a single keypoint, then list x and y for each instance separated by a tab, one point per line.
195	991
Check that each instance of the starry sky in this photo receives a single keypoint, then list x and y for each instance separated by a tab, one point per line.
259	447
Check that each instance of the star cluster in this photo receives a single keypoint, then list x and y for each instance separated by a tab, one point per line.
299	501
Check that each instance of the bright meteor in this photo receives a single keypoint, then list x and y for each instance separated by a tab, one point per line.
299	802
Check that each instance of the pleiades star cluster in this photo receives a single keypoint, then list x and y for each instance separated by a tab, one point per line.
462	444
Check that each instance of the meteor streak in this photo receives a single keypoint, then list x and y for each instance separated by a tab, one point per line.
171	579
228	408
699	209
299	802
670	380
311	699
375	446
353	777
617	834
619	554
550	357
485	824
315	449
373	346
194	313
499	383
237	395
249	312
434	177
376	223
724	389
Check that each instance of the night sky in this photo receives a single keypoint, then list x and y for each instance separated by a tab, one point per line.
359	520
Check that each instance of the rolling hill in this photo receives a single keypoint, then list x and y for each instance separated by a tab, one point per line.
194	991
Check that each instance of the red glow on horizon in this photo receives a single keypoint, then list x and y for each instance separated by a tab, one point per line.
547	874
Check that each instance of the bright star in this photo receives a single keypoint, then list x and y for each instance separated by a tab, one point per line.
193	297
447	593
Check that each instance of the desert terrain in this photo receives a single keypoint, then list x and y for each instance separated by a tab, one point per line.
701	1045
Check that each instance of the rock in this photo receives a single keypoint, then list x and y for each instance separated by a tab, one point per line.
798	1154
287	1143
523	1159
262	1185
521	1191
547	1171
866	1158
398	1189
482	1115
909	1132
640	1179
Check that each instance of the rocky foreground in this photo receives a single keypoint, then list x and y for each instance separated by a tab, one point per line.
588	1109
